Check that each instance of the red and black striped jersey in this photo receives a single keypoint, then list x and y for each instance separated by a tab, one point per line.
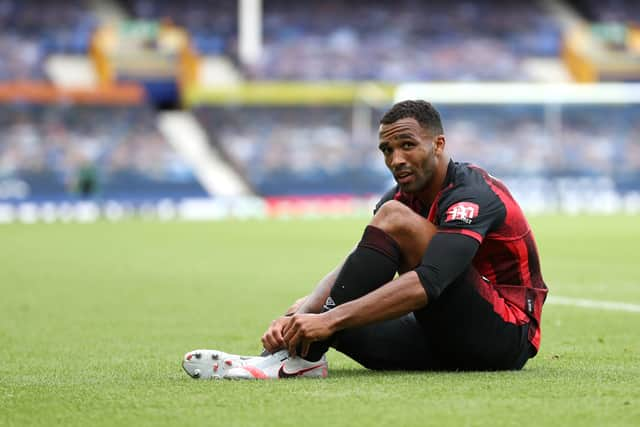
477	205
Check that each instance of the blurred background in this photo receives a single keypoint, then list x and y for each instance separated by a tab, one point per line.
250	109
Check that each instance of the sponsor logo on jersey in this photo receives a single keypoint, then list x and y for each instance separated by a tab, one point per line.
462	211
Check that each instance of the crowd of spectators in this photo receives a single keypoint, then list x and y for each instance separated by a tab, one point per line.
314	150
60	140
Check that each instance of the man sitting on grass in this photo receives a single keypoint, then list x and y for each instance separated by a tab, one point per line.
469	291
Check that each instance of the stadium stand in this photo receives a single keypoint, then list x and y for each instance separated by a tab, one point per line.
521	140
33	29
315	40
446	41
63	149
311	150
337	40
55	148
296	151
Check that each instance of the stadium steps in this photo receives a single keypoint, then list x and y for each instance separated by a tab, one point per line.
185	134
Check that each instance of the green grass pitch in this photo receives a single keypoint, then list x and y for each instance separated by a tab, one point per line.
94	320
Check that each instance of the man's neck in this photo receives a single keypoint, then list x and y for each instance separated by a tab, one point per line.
429	193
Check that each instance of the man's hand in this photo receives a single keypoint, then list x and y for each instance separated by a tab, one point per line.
304	329
272	340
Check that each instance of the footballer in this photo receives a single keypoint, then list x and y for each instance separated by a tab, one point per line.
446	275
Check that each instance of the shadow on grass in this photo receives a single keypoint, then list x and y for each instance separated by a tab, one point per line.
368	373
363	372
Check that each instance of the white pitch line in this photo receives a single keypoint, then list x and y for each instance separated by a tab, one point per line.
587	303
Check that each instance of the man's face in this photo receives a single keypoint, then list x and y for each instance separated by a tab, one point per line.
410	153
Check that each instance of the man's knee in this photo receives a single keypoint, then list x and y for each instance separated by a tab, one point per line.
409	230
394	217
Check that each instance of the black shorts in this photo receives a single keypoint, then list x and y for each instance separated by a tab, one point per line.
458	331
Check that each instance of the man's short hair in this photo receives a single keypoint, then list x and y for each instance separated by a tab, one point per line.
422	111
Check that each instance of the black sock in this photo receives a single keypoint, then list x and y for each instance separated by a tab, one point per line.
374	263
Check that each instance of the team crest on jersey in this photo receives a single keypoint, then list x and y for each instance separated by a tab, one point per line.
462	211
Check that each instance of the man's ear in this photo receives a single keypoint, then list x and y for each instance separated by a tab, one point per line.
439	142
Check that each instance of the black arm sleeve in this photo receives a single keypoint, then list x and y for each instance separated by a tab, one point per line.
447	257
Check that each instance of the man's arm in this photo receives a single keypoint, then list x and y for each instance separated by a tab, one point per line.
400	296
317	298
314	302
272	339
293	308
447	256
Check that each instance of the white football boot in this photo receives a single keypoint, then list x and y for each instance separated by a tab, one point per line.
280	365
212	364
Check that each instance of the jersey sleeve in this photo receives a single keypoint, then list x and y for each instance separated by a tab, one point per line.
472	212
446	257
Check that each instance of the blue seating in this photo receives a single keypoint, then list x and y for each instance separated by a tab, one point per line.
48	146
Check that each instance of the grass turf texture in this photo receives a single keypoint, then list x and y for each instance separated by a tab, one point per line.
94	320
